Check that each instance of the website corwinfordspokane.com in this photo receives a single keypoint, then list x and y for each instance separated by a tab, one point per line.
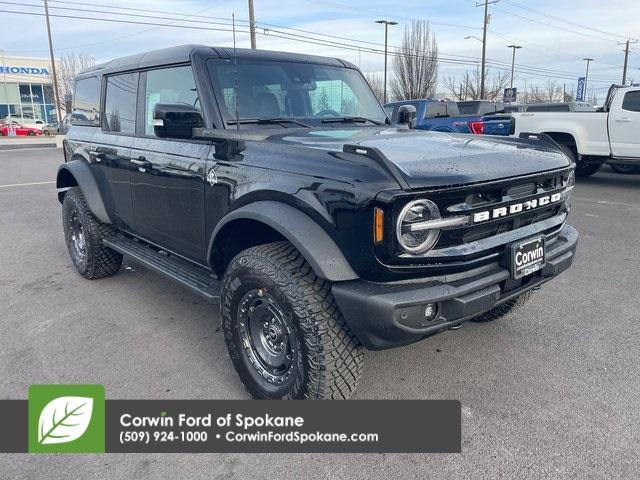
216	213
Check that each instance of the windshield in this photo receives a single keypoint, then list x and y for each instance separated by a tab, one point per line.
311	93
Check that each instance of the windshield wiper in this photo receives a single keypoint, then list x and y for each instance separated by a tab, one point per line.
267	120
352	120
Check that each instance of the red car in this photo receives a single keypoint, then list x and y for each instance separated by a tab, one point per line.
19	129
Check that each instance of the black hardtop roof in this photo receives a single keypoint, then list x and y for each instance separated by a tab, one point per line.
182	53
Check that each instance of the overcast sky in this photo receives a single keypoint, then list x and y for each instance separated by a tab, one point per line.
559	51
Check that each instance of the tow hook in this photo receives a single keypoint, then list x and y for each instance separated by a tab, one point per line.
456	327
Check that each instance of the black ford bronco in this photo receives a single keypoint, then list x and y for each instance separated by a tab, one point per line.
275	185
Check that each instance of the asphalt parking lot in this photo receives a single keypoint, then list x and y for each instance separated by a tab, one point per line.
551	392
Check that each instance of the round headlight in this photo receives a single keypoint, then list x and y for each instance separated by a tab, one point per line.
412	240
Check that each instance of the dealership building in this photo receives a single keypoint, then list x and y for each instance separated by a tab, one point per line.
26	89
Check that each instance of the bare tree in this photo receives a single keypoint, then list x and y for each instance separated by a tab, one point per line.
468	88
69	65
376	84
415	64
551	92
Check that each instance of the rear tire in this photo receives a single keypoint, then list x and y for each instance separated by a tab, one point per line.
583	169
284	331
625	169
504	309
83	234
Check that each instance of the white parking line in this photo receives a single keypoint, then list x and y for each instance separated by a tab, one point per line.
30	149
26	184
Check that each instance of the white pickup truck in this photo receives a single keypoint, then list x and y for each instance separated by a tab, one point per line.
610	135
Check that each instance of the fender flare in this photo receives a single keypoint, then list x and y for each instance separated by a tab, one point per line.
80	171
311	240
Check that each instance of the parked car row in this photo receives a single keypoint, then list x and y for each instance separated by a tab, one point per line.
31	129
447	115
588	136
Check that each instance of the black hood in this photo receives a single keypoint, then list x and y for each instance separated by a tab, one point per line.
432	159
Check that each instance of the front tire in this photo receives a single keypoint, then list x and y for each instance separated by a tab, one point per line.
83	234
284	331
504	309
587	169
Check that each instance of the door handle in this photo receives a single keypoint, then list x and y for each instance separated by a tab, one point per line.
623	120
96	154
141	162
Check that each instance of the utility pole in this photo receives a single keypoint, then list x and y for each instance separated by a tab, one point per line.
10	131
626	59
513	60
386	24
484	43
586	77
53	65
252	25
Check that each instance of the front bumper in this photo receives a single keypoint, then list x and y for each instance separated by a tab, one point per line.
386	315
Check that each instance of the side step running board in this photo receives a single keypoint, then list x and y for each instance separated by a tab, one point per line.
196	278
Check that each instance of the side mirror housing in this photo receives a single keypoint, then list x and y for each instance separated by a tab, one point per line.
407	115
176	120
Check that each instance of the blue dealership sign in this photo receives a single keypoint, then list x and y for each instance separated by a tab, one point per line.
580	93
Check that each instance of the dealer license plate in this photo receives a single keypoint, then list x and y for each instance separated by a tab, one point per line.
527	256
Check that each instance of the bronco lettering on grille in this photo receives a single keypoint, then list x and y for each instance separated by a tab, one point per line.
516	208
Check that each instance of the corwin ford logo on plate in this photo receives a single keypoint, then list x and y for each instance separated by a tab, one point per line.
527	257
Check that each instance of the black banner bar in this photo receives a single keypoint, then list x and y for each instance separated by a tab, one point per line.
243	426
13	426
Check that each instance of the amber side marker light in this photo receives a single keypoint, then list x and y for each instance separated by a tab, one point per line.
378	223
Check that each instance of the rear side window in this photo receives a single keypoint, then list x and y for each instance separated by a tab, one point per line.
86	102
468	108
441	109
631	101
120	103
168	85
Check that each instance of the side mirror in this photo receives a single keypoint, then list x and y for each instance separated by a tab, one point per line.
176	120
407	115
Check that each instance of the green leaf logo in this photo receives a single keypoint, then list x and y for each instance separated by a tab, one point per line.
64	419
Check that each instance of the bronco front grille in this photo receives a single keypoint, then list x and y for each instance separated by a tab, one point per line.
473	242
489	198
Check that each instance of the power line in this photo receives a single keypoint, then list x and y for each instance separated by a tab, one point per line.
546	24
378	12
305	39
559	19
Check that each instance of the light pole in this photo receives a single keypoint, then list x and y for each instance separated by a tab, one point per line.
513	60
386	24
586	77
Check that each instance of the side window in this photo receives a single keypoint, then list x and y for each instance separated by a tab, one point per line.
86	102
168	85
631	101
120	103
